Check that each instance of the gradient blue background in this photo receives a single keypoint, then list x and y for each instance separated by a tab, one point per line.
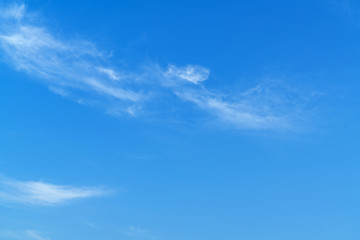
184	180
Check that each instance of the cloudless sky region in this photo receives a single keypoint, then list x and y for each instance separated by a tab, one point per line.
179	120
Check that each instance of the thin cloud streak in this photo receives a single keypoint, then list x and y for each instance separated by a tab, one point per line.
35	235
44	194
139	233
62	64
237	114
22	235
109	72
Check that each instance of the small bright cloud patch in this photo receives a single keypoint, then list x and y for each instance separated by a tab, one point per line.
191	73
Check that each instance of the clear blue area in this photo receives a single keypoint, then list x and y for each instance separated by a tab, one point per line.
185	180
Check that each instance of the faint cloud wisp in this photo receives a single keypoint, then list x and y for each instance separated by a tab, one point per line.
22	235
32	234
44	194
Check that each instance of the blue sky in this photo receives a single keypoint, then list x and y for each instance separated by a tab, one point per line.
173	120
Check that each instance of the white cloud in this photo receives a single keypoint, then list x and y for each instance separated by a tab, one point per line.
109	72
139	233
15	11
72	65
78	70
190	73
110	91
44	194
240	114
22	235
35	235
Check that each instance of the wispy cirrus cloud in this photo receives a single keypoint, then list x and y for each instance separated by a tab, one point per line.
349	8
78	70
62	64
22	235
191	73
35	235
44	194
238	114
139	233
14	11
